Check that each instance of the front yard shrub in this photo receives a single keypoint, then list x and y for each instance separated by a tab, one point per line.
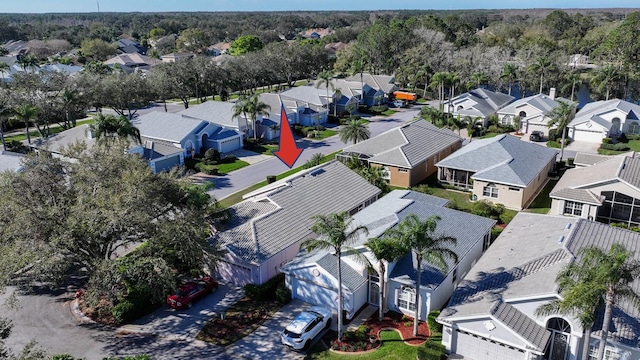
229	159
487	209
212	155
123	311
283	294
267	291
360	334
623	138
431	321
206	168
507	216
615	147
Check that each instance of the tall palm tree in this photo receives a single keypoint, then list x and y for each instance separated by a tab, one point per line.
425	71
324	78
336	234
385	250
542	65
107	128
509	72
438	80
426	244
605	78
69	99
358	67
28	62
560	117
25	113
252	106
578	299
5	111
478	78
354	130
572	79
4	68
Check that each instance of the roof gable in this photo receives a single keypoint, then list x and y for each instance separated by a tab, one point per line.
166	126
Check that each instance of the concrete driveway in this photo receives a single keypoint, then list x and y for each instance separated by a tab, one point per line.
264	343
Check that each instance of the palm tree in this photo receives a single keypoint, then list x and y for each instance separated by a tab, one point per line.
4	68
324	78
573	79
28	62
385	250
69	98
108	127
424	71
578	299
560	116
5	110
605	78
438	81
354	130
25	113
252	106
336	234
509	72
315	160
542	65
421	237
358	68
478	78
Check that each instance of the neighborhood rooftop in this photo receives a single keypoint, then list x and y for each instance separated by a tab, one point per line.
217	112
166	126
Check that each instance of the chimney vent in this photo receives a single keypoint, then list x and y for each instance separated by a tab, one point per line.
552	93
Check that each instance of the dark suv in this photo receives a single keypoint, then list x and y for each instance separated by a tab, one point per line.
536	136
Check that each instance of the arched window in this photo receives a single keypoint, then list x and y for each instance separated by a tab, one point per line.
522	114
615	126
491	190
460	107
558	348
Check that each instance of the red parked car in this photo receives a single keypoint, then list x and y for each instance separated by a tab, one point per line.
190	291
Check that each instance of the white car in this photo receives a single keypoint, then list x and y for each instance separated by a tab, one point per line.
301	331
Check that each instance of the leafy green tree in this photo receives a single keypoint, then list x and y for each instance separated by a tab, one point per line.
324	78
193	40
336	234
98	49
5	111
477	79
25	113
354	130
315	160
509	72
426	244
376	175
605	79
573	80
4	68
245	44
560	117
108	128
386	251
98	67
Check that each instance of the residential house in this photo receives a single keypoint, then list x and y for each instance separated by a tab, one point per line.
313	277
344	95
269	125
478	103
376	89
220	113
601	119
187	133
158	156
173	57
408	153
607	189
492	313
502	169
580	61
316	33
132	62
532	113
266	229
129	46
222	47
15	68
333	48
312	104
10	161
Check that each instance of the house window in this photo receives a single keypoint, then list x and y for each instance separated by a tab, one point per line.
386	174
522	114
505	120
407	298
513	188
634	128
609	353
572	208
403	170
490	191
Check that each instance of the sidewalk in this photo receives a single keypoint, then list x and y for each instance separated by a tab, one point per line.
363	316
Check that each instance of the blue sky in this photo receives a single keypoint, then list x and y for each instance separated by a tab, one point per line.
40	6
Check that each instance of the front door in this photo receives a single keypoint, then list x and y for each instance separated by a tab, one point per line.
374	290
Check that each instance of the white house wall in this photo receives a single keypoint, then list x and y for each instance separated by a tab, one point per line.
588	211
588	131
271	267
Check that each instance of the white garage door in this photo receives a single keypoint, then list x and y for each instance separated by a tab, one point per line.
479	348
229	145
314	294
234	273
587	136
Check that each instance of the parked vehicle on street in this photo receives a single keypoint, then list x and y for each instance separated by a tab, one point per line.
191	291
299	334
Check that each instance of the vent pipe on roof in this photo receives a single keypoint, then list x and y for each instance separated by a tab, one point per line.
561	239
568	226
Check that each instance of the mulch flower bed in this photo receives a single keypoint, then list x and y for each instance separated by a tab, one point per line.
402	323
360	340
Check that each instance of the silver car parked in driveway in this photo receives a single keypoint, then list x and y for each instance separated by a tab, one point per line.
299	334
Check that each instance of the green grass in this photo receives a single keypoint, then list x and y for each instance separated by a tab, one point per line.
489	135
227	168
325	134
265	149
634	145
542	203
52	131
392	348
237	197
388	112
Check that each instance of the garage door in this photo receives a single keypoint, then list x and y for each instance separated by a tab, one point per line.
234	273
314	294
480	348
168	163
588	136
538	127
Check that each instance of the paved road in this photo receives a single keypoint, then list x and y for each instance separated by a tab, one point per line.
247	176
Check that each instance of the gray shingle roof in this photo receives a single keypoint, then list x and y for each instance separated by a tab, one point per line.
478	102
520	263
584	196
630	171
166	126
524	326
10	161
351	279
407	145
308	94
502	159
56	143
327	189
217	112
585	159
160	148
541	102
467	228
593	111
376	82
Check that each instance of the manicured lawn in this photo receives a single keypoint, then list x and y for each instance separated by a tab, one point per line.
227	168
265	149
324	134
388	112
237	197
634	145
489	135
392	348
542	203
